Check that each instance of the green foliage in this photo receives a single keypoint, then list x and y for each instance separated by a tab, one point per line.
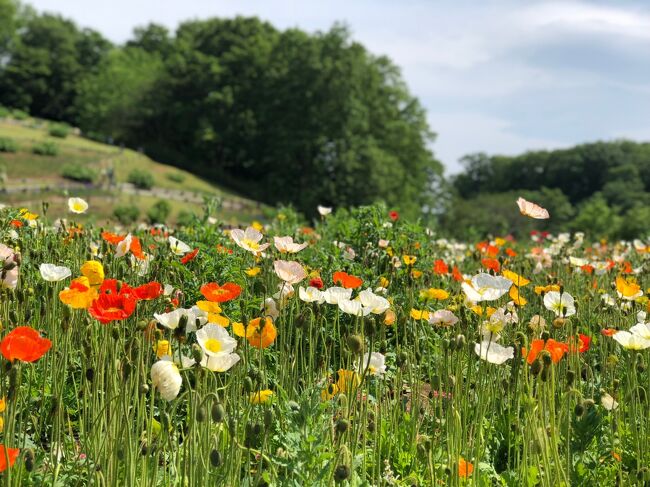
141	179
79	172
159	212
597	218
8	144
177	177
46	148
185	218
4	112
126	214
59	130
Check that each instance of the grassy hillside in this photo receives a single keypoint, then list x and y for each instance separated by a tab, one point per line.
29	178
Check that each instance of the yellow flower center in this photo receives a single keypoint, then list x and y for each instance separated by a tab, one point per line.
251	243
213	345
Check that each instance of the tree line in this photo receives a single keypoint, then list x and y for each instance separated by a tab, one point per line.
280	116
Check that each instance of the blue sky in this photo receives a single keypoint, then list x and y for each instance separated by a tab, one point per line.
495	76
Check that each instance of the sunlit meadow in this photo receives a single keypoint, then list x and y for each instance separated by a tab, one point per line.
357	349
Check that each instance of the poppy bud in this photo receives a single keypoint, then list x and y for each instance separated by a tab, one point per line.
369	327
141	325
144	388
342	401
341	473
545	335
248	384
293	406
268	417
29	460
218	412
570	377
588	403
461	341
197	353
215	458
401	358
559	322
536	367
546	357
342	425
90	374
615	384
579	410
355	343
200	414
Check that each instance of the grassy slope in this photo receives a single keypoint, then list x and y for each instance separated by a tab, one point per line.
25	169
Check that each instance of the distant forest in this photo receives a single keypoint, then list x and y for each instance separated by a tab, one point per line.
288	117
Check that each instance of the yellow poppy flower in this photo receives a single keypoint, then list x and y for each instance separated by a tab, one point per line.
518	280
419	314
261	397
94	271
162	348
416	274
516	297
253	271
546	289
347	380
409	259
433	293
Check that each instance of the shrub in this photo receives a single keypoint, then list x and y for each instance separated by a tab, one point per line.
4	112
59	130
159	212
177	177
185	218
19	114
8	145
78	172
45	148
140	179
126	214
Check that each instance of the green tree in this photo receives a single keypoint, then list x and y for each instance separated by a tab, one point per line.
596	218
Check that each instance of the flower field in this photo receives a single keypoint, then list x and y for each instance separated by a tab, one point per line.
358	349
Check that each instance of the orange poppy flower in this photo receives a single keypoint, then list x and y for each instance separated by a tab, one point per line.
456	274
511	253
555	348
346	280
440	268
25	344
491	264
111	307
113	286
190	256
608	332
220	294
16	223
136	248
5	452
148	291
259	334
112	238
465	468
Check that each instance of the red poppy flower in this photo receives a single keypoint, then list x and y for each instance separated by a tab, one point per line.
456	274
25	344
220	294
626	267
585	343
316	282
587	269
136	248
190	256
16	223
5	452
440	268
112	307
346	280
555	348
393	215
608	332
511	253
491	264
113	286
148	291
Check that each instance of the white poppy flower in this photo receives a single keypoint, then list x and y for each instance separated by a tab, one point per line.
10	267
353	307
443	317
249	239
54	273
335	294
178	247
286	244
324	210
608	402
485	287
172	319
311	295
215	340
123	247
269	308
166	378
631	341
561	304
289	271
376	304
77	205
374	362
493	352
